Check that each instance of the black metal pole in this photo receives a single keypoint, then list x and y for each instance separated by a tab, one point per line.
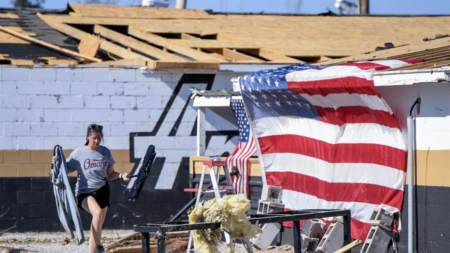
145	242
347	229
162	243
294	216
297	237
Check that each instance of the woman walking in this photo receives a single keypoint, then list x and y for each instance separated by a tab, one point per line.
95	165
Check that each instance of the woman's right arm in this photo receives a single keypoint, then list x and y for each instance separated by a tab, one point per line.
71	163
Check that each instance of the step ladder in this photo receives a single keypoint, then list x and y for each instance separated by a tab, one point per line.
215	167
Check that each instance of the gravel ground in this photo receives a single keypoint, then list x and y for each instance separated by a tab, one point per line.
55	242
61	242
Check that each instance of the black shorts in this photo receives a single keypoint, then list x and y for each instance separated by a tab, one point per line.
101	196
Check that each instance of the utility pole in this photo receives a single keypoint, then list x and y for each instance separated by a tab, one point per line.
363	7
181	4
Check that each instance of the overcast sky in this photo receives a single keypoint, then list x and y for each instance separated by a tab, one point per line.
396	7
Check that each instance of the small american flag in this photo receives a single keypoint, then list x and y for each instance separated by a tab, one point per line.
328	138
245	148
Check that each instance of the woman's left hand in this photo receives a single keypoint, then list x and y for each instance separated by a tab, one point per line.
125	177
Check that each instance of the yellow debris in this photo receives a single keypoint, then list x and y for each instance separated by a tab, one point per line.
230	211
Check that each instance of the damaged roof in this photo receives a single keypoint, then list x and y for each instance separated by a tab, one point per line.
433	52
163	38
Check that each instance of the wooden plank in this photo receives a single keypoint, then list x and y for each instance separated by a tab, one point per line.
22	62
74	14
218	56
20	30
78	34
9	15
425	54
11	39
272	55
89	45
349	246
111	11
54	62
294	36
51	46
206	43
136	44
124	62
184	65
196	164
133	236
393	52
233	55
237	56
187	36
275	56
163	42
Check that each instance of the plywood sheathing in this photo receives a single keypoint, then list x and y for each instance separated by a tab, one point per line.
433	53
9	15
124	53
418	47
8	38
89	45
108	11
295	36
20	30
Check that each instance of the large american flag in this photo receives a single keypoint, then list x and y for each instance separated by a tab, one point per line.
328	138
245	148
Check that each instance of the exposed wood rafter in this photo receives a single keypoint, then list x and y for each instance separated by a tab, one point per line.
163	42
104	45
417	50
234	56
271	55
136	44
187	36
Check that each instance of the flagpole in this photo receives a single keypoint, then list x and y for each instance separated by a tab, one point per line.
410	126
410	184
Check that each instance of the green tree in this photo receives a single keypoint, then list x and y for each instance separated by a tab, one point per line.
28	3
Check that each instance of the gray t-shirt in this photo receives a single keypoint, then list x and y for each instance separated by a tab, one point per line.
92	166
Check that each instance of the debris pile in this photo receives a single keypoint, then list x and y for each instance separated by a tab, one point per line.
176	243
230	211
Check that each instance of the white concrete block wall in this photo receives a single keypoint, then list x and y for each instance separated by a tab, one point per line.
44	106
433	121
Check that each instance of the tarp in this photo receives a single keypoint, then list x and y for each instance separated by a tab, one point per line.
65	201
328	138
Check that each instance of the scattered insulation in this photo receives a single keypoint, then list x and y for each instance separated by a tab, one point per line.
230	211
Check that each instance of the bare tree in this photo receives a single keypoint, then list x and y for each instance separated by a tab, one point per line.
28	3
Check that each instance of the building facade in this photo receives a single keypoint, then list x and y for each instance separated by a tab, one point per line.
41	107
